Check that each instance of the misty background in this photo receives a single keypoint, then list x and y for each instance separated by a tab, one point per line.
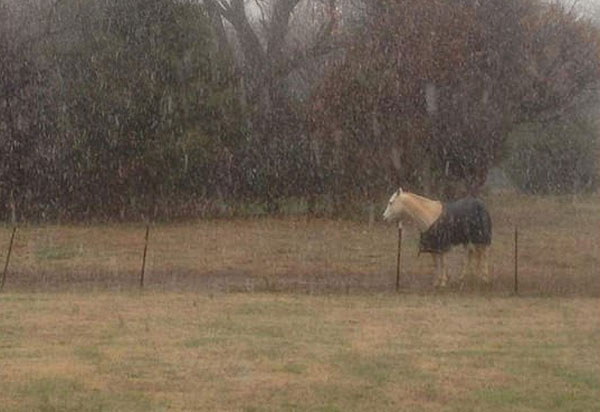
158	109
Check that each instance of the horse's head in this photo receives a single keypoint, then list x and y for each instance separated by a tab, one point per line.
394	208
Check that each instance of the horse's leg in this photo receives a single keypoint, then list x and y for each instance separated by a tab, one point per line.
467	270
444	280
440	268
480	254
463	271
482	262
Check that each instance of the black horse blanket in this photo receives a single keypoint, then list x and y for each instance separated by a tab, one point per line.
462	221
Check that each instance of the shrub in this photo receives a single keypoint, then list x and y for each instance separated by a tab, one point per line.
555	158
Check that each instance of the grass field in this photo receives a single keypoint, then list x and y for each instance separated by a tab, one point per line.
559	253
292	313
153	351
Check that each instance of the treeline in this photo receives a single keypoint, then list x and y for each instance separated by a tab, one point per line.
163	108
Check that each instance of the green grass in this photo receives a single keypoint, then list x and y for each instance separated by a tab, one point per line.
271	352
62	394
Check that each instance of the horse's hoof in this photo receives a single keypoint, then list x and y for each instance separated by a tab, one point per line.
440	284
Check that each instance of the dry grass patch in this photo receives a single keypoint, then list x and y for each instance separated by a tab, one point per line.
183	351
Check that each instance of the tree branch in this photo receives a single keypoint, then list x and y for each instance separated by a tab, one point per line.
235	13
279	27
323	44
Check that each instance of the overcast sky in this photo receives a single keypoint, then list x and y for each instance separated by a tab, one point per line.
585	5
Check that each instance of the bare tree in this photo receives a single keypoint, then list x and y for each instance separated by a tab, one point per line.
268	55
278	150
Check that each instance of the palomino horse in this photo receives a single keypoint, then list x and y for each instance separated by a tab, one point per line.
442	225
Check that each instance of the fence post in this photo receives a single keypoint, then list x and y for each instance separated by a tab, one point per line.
516	289
144	256
10	245
398	259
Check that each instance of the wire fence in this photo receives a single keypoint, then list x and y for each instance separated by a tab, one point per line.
295	254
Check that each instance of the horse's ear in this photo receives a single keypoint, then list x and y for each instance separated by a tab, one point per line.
399	191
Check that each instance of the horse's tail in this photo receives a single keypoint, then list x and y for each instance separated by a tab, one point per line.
485	222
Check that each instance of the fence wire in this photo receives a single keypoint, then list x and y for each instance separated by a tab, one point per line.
293	254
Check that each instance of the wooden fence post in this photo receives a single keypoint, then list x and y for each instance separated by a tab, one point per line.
10	245
144	256
398	259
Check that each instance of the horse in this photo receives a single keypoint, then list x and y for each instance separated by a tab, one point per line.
464	221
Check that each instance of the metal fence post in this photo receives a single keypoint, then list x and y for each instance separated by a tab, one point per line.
10	245
398	259
516	289
144	256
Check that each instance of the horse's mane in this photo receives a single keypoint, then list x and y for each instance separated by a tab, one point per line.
422	198
425	211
